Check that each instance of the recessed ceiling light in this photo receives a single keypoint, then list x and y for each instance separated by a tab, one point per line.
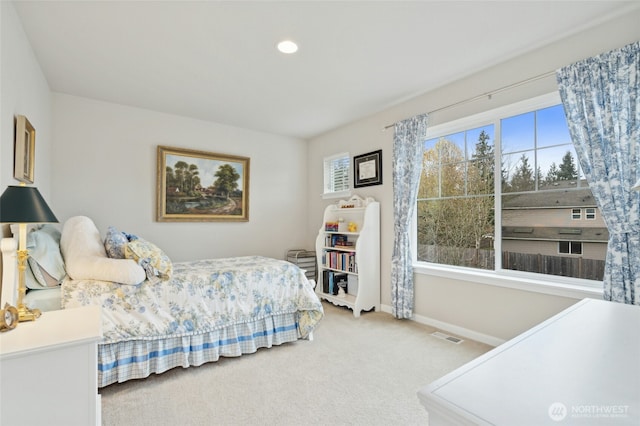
287	46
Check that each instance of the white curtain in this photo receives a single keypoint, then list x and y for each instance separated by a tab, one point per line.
408	143
601	102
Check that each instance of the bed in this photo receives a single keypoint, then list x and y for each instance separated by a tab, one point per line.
158	315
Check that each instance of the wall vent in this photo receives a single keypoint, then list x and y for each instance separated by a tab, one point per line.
446	337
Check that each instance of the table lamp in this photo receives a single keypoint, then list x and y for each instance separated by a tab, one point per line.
22	205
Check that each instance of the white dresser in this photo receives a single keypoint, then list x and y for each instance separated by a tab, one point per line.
580	367
48	370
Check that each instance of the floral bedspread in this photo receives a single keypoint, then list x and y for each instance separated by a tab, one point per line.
201	296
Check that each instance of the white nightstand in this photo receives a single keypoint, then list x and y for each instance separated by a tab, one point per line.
48	370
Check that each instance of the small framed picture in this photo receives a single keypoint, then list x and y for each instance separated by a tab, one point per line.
367	169
24	150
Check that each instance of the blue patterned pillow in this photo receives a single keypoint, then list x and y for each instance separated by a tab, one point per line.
130	237
115	242
152	259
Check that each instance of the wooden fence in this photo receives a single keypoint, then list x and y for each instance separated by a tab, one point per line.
576	267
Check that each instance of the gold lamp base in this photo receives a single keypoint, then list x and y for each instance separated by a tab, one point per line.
24	313
22	205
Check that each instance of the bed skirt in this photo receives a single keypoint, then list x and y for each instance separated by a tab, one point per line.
137	359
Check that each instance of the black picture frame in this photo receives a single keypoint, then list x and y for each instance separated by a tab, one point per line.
367	169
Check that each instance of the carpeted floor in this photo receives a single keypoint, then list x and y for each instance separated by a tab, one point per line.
356	371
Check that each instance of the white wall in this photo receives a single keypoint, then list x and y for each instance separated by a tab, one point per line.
104	167
481	309
24	91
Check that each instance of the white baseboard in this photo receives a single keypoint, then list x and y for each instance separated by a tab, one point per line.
453	329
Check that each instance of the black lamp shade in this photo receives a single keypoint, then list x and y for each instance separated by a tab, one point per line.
24	204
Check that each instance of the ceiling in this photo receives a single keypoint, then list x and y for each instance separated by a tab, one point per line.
217	60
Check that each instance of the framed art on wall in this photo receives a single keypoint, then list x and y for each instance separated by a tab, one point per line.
24	150
367	169
201	186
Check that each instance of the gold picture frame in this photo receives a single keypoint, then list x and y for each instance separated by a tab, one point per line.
24	150
199	186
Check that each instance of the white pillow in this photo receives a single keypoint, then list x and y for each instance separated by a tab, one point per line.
86	259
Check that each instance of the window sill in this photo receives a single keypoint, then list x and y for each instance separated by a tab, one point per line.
339	194
511	280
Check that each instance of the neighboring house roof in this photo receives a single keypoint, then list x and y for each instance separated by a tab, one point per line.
579	197
599	235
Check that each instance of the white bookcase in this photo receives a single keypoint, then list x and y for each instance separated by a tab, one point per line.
348	251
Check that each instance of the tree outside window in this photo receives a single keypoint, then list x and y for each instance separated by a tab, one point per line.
535	170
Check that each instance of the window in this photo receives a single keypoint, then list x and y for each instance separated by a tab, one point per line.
456	199
569	247
499	192
336	175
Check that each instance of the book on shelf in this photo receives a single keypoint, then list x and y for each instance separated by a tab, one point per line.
340	280
331	226
352	284
343	244
332	281
338	240
344	261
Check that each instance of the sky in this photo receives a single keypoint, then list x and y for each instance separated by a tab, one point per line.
206	168
545	129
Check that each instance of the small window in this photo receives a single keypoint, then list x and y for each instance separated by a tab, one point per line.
590	213
576	214
569	247
336	175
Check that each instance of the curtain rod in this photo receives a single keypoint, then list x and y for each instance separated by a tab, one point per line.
485	95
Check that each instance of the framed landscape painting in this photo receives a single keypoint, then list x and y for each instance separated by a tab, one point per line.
201	186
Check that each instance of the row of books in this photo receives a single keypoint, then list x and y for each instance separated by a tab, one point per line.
332	281
331	226
344	261
337	240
